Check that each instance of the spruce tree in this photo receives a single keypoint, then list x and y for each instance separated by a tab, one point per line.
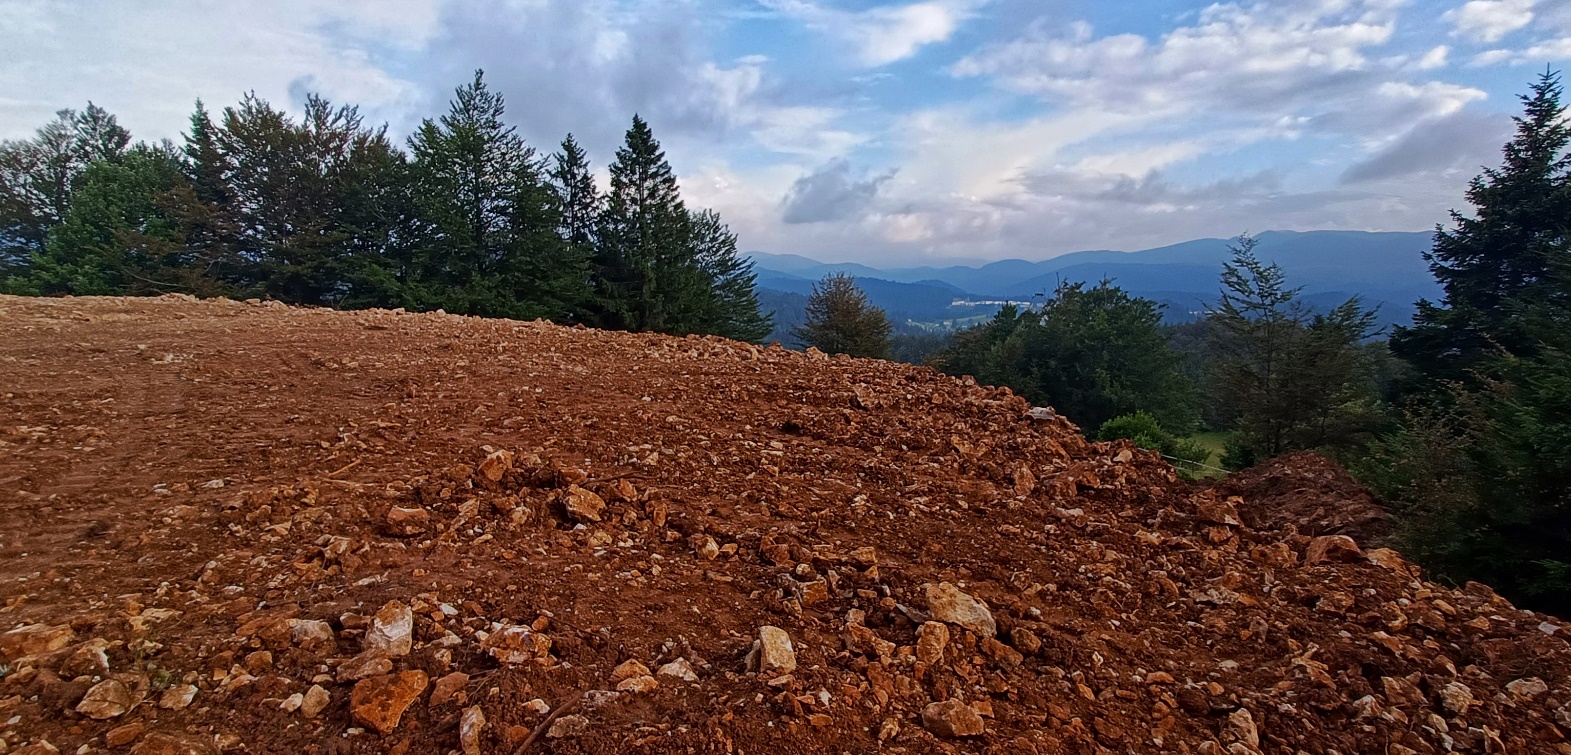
840	320
733	309
647	275
39	176
1512	253
579	199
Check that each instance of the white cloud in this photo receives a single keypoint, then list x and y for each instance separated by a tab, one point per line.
1490	20
884	34
1553	49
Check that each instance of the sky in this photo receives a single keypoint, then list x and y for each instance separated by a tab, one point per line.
893	133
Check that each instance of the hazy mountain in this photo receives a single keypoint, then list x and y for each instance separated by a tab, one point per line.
1386	269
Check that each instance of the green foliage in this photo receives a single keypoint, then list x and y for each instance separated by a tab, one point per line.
1508	258
125	233
40	176
1479	472
1092	353
1189	457
1282	377
841	321
732	309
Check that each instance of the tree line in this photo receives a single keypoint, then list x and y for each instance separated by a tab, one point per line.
327	210
1460	421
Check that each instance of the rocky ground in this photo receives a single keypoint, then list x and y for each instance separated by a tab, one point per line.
235	527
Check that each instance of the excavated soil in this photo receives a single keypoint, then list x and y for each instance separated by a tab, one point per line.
207	502
1310	493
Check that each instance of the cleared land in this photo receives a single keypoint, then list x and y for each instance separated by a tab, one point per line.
237	526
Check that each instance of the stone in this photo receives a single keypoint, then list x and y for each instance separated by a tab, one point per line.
41	747
951	606
1329	549
638	685
90	658
34	639
679	669
775	654
813	593
627	670
706	548
497	464
1025	640
1213	511
538	707
1523	689
369	663
470	726
515	645
1003	655
402	522
567	726
315	701
178	697
310	633
931	639
292	703
952	718
1390	559
392	631
1240	729
446	687
581	505
121	736
259	661
380	701
107	699
159	743
1456	698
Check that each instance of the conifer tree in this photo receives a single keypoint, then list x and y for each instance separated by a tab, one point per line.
577	195
1512	254
485	233
647	276
733	310
39	176
840	320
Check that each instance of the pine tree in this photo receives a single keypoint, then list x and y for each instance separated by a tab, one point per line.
1513	253
647	276
733	311
840	320
577	195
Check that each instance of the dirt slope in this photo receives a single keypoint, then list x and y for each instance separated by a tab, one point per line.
237	527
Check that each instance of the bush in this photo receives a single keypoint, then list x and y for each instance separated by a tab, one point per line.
1189	457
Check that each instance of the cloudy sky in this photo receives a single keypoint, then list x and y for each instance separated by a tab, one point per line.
877	131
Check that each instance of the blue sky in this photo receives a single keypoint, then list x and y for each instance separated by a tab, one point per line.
882	132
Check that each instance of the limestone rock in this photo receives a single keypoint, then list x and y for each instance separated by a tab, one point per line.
951	606
392	630
310	633
775	654
123	735
90	658
568	726
931	639
515	645
582	505
679	669
445	688
402	522
638	685
1521	689
315	701
497	464
380	701
1457	698
952	718
369	663
107	699
178	697
34	639
470	727
628	670
1241	729
1333	549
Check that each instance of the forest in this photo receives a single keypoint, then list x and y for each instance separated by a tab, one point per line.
1460	421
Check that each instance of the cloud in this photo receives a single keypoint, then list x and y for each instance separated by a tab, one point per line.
1490	20
1552	49
884	34
1463	142
831	193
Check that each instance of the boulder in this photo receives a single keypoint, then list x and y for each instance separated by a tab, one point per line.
951	606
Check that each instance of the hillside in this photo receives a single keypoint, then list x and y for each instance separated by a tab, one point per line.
243	527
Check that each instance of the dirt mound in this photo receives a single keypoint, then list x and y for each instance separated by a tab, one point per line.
1308	492
244	527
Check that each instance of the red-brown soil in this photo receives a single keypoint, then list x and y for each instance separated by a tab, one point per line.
187	484
1310	493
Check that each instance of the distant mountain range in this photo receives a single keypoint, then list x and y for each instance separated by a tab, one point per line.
1385	269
